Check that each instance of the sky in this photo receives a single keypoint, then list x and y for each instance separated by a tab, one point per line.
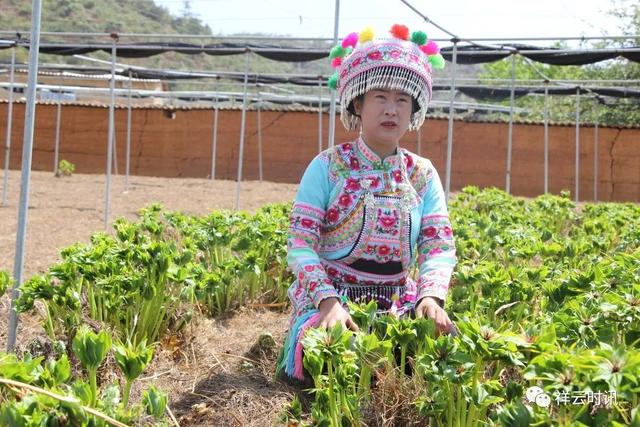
464	18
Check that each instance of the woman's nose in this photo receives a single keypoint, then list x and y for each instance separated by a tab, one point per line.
390	109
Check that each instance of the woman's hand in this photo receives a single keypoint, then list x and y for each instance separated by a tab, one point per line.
429	307
332	312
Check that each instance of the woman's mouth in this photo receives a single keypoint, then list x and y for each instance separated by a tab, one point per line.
389	125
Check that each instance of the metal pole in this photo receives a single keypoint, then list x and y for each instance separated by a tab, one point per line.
7	146
214	143
452	95
320	115
332	106
546	137
510	142
595	152
259	140
27	153
56	154
577	144
420	141
110	139
242	125
115	145
127	164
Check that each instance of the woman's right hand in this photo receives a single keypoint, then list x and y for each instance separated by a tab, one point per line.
332	312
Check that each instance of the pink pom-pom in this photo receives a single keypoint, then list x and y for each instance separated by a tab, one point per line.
400	31
336	62
350	40
431	48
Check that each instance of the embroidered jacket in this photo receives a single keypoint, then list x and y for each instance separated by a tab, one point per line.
336	236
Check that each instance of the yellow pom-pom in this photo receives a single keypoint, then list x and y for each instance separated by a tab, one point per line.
366	35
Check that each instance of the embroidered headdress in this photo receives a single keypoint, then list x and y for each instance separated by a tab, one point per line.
403	62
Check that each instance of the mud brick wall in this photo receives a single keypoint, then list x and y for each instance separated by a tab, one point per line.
182	147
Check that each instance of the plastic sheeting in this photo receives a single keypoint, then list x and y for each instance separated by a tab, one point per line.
467	54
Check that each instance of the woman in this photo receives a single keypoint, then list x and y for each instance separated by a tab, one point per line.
367	210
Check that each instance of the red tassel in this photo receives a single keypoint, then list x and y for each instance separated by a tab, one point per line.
400	31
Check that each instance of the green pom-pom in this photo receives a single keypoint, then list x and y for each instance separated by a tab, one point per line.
348	51
333	81
337	51
419	37
436	61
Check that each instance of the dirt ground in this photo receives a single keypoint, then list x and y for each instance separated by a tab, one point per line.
213	376
66	210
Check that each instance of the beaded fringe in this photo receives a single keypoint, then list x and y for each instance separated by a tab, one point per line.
364	293
386	77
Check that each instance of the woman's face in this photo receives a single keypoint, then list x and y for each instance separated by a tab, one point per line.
385	116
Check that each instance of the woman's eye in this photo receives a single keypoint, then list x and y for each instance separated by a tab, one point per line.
403	100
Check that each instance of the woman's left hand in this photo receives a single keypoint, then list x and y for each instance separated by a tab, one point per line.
429	307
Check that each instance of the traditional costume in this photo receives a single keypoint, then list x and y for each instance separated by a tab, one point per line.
360	223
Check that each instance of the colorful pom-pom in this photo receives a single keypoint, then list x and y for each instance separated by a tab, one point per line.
431	48
337	51
366	35
419	37
400	31
333	81
350	41
437	61
336	62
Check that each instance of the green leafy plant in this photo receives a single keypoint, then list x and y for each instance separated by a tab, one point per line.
545	294
35	392
5	282
132	360
65	168
91	349
155	402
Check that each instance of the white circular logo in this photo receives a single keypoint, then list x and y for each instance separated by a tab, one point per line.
543	400
533	392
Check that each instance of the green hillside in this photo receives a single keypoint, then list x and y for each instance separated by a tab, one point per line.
143	16
130	16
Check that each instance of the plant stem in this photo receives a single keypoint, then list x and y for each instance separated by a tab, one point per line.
364	383
477	372
470	420
49	323
450	404
332	399
345	407
459	406
127	392
92	302
93	381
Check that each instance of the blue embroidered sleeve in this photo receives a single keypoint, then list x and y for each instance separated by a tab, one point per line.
436	245
307	216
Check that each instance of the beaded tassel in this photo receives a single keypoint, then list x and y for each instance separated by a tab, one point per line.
392	78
